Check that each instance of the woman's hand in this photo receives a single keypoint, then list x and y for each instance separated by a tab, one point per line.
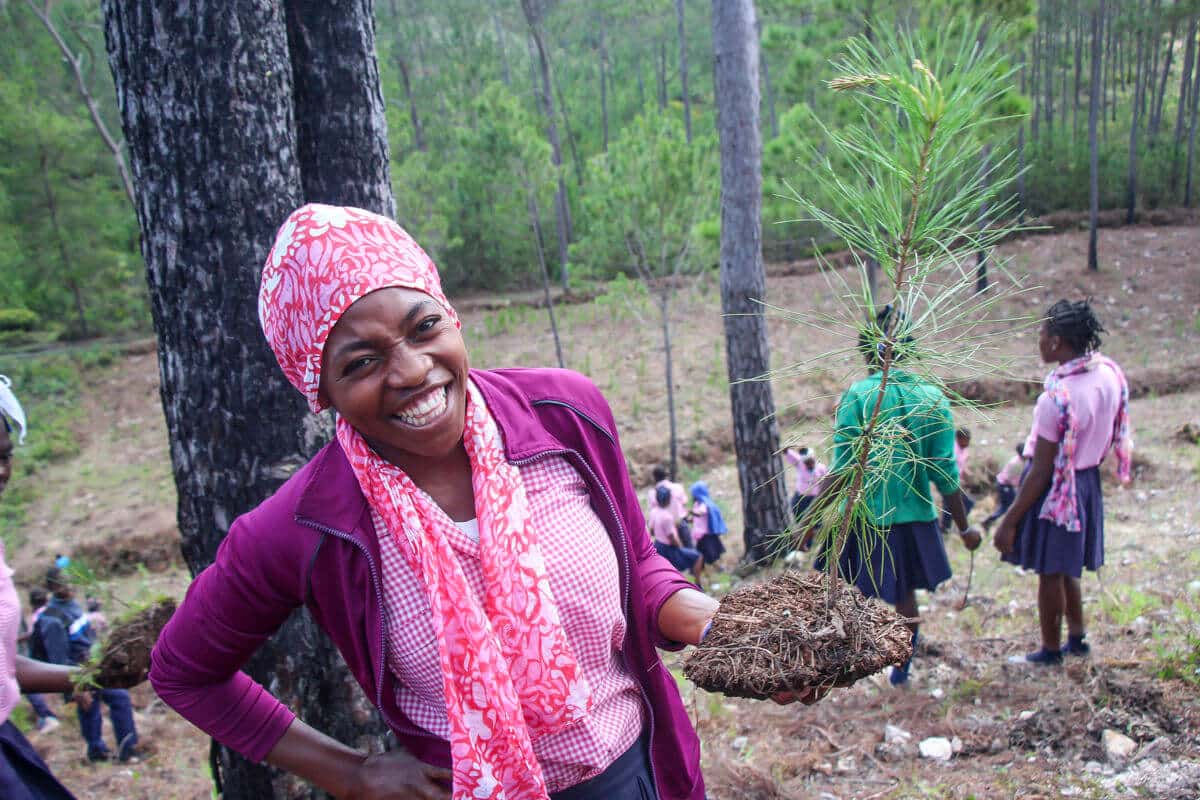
1005	536
397	775
807	697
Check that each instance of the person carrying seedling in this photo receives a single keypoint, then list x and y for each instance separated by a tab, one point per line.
679	503
1055	526
899	549
64	631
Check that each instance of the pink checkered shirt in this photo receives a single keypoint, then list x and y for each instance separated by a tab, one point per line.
582	569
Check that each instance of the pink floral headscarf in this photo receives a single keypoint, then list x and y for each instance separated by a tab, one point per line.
324	259
501	691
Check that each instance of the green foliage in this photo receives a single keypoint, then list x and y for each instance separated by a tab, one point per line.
646	201
1177	657
68	236
17	319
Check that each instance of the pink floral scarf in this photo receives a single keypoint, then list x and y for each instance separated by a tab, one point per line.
1060	506
509	674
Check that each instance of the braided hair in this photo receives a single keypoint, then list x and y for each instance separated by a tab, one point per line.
1076	324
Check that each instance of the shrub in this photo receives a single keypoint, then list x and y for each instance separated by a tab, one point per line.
18	319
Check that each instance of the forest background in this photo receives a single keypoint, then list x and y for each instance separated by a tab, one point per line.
516	137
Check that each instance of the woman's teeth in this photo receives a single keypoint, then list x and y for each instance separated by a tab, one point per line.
425	410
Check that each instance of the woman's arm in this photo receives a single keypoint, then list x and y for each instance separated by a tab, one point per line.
1041	472
685	615
39	676
349	774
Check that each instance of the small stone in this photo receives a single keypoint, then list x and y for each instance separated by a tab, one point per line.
936	693
895	735
1117	746
846	764
739	743
956	745
1094	767
1024	715
936	748
1194	587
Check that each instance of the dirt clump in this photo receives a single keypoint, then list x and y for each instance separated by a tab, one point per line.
124	659
123	554
778	636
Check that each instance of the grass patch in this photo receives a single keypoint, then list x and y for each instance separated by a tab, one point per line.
1177	657
49	387
1123	607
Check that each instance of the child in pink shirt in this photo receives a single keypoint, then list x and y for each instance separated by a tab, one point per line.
1007	481
809	473
666	535
1055	526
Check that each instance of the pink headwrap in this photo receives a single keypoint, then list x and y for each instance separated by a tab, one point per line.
501	691
324	259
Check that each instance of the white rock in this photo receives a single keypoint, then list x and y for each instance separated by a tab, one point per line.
1093	767
1118	746
956	745
846	764
937	748
936	693
739	743
895	735
1024	715
1194	587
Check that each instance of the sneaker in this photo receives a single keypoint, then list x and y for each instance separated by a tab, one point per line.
47	724
1076	646
1041	656
132	755
899	675
99	756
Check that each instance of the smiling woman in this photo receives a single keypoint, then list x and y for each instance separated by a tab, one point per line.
470	541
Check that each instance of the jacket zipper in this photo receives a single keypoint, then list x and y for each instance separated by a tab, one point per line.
375	584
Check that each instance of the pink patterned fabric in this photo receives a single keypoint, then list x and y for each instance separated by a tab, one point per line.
10	623
1081	418
584	575
508	672
324	259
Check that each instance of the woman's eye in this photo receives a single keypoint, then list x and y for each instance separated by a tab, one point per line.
355	365
428	324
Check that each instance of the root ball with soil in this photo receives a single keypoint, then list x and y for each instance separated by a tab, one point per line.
779	636
122	659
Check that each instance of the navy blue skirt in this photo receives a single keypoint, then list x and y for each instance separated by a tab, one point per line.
682	558
910	556
23	774
1050	549
627	778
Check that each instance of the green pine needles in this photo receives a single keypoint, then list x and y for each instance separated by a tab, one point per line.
919	187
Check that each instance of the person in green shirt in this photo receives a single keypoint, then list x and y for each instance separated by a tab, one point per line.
901	548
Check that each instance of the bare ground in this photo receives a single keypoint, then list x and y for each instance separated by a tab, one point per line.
1021	733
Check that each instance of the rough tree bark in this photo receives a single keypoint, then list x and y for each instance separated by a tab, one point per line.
341	128
1093	146
1139	96
743	282
207	105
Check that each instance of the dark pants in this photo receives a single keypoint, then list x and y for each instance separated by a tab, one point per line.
39	706
627	778
23	774
800	504
120	711
1004	498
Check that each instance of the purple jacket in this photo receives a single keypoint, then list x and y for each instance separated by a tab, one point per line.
312	543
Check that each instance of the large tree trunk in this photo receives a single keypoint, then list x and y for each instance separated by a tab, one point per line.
1191	151
1156	116
683	71
500	42
341	128
208	107
1185	84
1093	146
743	282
